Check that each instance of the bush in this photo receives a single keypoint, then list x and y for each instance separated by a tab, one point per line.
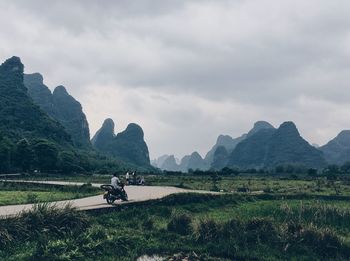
32	198
208	230
148	224
12	229
49	217
42	220
233	228
261	230
325	242
180	224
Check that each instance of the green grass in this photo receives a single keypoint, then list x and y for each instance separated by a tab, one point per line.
294	218
275	184
12	193
226	227
24	197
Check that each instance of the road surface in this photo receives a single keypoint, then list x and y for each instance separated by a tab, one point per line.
135	194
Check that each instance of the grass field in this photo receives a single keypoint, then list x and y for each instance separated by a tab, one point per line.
12	193
205	227
276	218
272	184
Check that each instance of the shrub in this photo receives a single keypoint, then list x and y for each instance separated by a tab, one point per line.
12	229
233	228
148	224
54	219
261	230
41	223
181	224
324	242
32	198
208	230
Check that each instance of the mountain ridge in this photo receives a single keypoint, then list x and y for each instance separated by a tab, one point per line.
61	106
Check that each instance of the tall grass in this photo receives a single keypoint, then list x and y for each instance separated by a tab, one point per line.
236	236
43	219
317	213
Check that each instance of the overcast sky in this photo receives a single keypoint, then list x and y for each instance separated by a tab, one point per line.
187	71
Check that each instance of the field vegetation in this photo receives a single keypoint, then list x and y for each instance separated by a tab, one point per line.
203	227
325	184
12	193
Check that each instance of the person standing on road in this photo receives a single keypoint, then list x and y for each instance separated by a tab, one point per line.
127	176
134	178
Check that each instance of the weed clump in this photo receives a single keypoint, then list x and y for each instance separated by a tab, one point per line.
260	230
42	220
208	230
148	224
180	224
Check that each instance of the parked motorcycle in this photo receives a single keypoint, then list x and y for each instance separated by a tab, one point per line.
139	181
111	194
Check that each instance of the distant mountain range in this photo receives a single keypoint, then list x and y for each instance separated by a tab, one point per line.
272	147
337	151
40	127
266	147
49	131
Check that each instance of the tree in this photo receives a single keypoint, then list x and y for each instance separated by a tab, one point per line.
279	169
46	155
214	179
68	162
24	155
312	172
6	153
346	167
332	169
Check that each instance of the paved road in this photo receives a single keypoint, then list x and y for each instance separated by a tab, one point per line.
135	194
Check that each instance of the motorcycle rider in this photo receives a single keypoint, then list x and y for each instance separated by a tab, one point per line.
115	183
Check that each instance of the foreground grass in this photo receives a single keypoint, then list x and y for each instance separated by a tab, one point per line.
227	227
12	193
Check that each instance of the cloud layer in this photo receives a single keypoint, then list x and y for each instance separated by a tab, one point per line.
188	71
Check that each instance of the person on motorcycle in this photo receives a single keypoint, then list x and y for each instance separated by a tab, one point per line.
115	182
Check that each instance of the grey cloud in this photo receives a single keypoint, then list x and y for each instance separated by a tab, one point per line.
265	56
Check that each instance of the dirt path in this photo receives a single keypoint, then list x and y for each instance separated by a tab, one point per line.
135	193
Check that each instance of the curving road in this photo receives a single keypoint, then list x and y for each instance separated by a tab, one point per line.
135	194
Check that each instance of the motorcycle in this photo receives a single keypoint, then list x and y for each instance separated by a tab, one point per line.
137	181
111	194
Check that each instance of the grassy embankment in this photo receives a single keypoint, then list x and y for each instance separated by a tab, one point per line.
12	193
226	227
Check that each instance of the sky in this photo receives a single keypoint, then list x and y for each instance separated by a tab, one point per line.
187	71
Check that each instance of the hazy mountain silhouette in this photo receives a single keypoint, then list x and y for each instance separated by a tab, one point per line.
60	106
225	141
221	158
19	116
170	164
158	162
270	147
128	145
230	144
337	151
